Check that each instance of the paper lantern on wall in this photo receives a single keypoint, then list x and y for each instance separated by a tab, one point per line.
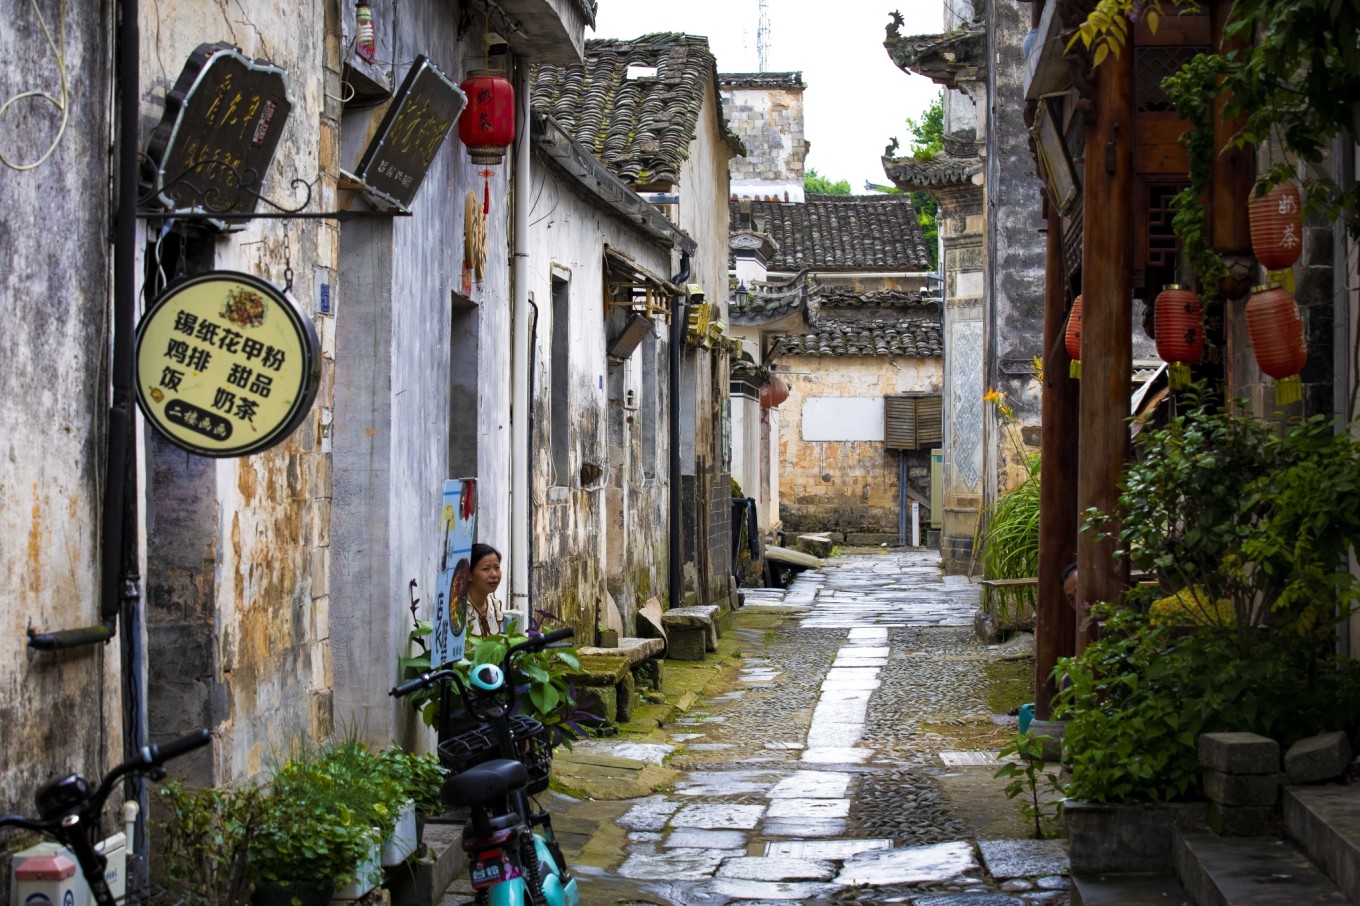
1277	227
1277	338
773	393
1074	339
487	124
1180	333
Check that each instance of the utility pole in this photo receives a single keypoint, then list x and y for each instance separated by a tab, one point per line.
763	35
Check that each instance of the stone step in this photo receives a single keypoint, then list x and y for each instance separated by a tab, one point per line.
1128	890
1325	822
1249	871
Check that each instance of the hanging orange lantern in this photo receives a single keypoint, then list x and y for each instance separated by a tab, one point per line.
1277	227
1277	338
1180	332
487	125
772	393
1074	339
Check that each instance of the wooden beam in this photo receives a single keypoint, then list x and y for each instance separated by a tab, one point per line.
1055	633
1107	324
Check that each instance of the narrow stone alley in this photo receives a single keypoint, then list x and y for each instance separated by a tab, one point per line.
848	759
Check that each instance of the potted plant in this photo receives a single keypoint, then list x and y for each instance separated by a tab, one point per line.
608	638
420	777
204	843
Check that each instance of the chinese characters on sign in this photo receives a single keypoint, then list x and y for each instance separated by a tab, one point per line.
226	366
222	123
411	134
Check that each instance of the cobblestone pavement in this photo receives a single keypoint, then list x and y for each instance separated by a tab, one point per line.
819	778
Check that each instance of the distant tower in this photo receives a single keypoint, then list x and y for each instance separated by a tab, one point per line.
763	35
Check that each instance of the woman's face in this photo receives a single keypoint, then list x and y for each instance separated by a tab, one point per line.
486	575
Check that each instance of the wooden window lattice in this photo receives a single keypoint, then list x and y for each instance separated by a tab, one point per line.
913	421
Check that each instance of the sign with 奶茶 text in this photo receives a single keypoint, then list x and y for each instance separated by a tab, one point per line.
225	364
222	123
457	526
411	133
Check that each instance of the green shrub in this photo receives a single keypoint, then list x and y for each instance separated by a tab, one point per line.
1010	544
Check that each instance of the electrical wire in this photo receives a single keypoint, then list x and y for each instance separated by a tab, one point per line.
61	104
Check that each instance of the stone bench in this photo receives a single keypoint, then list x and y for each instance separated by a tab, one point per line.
643	657
604	687
691	631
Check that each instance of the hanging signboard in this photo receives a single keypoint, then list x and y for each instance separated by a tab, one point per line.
225	364
457	524
216	139
410	135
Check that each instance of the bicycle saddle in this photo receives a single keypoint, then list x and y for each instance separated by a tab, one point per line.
485	783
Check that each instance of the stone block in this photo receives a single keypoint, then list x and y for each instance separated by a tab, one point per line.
635	650
1241	820
816	545
871	539
1318	758
687	644
1241	789
600	671
650	674
699	616
1124	838
1239	753
424	880
625	694
600	702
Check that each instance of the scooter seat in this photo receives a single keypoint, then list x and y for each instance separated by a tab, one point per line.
487	782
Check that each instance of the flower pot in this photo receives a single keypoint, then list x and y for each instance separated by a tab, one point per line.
609	638
285	893
397	848
366	877
1132	838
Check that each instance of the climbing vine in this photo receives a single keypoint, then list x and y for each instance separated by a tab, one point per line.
1192	89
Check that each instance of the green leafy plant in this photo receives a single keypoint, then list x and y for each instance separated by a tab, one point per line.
1027	776
206	836
1010	544
419	776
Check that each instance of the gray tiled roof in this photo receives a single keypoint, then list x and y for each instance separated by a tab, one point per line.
908	338
838	297
842	233
761	80
912	174
764	304
946	59
641	128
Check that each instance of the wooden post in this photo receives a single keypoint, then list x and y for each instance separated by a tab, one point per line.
1107	323
1055	633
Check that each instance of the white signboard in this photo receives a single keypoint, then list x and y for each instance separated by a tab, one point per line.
843	418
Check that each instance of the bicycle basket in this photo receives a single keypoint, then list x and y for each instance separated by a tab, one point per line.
533	749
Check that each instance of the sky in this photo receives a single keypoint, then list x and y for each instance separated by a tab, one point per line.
856	100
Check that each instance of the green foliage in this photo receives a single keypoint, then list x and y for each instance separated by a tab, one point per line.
1192	90
815	183
1010	543
1218	507
206	837
419	775
927	142
1025	775
546	691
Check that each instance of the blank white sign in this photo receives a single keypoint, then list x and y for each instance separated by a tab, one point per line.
843	418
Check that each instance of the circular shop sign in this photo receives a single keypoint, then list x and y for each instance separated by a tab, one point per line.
226	364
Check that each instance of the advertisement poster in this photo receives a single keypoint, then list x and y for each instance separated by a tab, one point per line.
457	524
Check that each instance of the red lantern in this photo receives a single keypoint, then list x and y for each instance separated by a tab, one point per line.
1180	332
1277	338
487	126
1074	339
1277	227
773	393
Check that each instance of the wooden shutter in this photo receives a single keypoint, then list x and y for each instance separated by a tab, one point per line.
912	421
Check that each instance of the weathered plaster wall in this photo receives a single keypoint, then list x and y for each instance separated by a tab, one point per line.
394	419
770	124
55	258
1015	252
600	529
851	485
704	184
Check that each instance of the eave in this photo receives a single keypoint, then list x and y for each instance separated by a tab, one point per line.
946	59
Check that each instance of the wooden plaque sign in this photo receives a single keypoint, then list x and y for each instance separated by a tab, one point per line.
222	123
411	134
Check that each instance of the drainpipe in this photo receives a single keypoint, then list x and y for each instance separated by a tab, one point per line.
520	403
679	319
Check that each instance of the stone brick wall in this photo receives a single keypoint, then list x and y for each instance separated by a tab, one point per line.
770	123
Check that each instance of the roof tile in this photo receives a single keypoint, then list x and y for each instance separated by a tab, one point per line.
841	233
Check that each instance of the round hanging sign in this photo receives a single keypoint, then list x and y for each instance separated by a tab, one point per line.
225	364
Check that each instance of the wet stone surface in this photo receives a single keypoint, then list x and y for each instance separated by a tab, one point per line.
816	777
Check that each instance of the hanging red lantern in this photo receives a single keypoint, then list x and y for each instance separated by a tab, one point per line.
487	126
772	393
1073	339
1277	338
1277	227
1180	332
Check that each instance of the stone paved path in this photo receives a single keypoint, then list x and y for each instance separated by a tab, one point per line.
819	778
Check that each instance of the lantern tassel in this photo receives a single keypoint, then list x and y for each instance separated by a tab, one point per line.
1288	390
1178	375
1074	370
